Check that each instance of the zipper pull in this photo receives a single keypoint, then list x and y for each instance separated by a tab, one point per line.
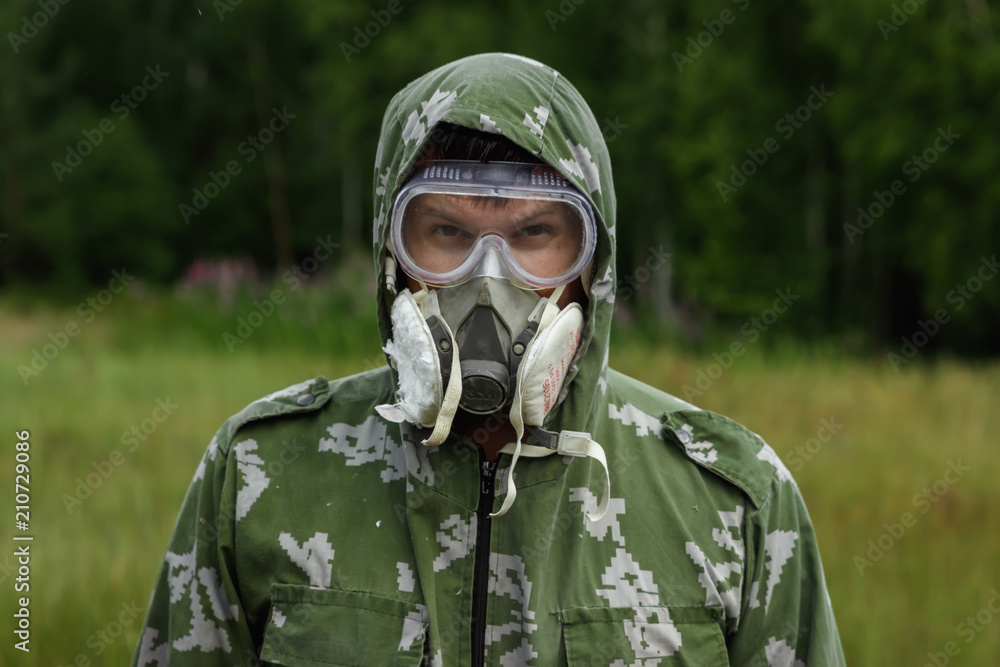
488	469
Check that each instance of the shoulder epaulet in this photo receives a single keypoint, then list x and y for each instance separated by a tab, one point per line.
302	397
710	440
728	449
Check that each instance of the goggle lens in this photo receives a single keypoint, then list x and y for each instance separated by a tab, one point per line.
538	234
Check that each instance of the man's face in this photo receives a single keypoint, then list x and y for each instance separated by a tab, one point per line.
543	236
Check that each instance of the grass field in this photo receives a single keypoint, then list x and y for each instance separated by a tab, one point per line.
873	445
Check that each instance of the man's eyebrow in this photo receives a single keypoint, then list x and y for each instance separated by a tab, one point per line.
431	209
546	208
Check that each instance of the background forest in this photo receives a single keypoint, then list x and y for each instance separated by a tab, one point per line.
844	151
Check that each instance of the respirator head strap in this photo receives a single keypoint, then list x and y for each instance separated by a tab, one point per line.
442	345
518	348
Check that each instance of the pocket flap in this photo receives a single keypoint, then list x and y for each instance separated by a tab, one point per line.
672	635
314	626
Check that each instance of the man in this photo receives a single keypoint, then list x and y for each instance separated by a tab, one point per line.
498	495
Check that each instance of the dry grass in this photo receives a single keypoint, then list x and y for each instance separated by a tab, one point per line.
899	432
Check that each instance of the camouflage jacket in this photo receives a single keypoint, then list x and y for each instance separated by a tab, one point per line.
317	533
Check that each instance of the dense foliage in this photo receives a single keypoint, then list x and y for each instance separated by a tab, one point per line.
840	152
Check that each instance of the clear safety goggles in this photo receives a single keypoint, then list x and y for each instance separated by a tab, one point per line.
456	220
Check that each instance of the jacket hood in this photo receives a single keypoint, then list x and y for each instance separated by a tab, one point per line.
535	107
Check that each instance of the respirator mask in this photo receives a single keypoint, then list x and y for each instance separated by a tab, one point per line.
488	237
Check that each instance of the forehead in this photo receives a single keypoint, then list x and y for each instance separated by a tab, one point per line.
469	207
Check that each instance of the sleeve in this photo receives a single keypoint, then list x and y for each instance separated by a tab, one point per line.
787	619
194	617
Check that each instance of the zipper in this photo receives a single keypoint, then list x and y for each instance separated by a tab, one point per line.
481	567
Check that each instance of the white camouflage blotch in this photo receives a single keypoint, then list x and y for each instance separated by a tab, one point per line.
314	556
703	450
582	166
453	536
217	595
780	654
651	632
368	443
602	380
418	462
383	180
414	627
151	654
507	579
715	577
778	546
255	481
210	455
179	574
629	415
537	127
487	124
405	581
768	454
430	112
205	633
754	595
287	392
519	656
278	619
728	538
604	289
626	585
653	635
377	223
609	522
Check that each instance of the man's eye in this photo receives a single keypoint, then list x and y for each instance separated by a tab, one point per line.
536	230
448	230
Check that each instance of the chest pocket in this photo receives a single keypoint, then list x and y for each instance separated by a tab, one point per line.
689	636
310	626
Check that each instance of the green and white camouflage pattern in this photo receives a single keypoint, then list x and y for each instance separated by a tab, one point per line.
317	533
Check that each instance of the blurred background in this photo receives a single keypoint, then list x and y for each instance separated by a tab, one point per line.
185	211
